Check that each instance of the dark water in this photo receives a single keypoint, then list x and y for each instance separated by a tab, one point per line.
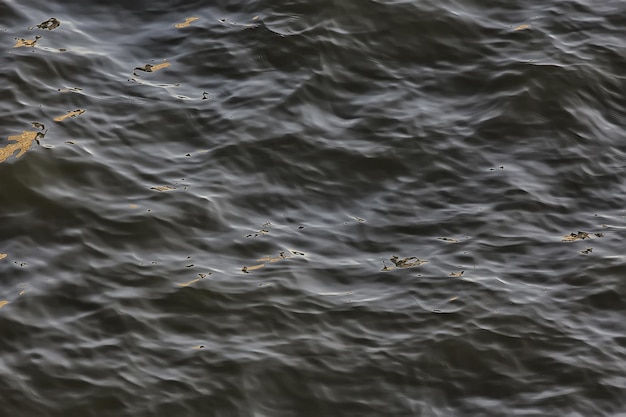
233	219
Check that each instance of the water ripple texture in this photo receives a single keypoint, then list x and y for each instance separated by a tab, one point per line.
356	208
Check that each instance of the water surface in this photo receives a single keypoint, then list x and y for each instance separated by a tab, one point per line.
313	208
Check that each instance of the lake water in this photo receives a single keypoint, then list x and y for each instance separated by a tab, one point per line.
312	208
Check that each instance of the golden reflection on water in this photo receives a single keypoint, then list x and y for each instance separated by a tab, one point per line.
157	67
163	188
272	259
152	68
3	255
193	281
68	115
26	42
22	143
22	291
186	23
3	303
247	269
186	284
522	27
269	259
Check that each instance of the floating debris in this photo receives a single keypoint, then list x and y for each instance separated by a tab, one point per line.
163	188
26	42
576	236
522	27
198	347
151	68
448	239
68	115
266	226
23	142
3	255
3	303
599	234
402	263
49	24
259	233
186	23
38	125
457	274
406	262
586	251
387	268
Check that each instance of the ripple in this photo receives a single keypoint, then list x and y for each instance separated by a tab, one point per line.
281	201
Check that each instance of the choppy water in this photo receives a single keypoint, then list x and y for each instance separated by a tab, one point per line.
312	208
